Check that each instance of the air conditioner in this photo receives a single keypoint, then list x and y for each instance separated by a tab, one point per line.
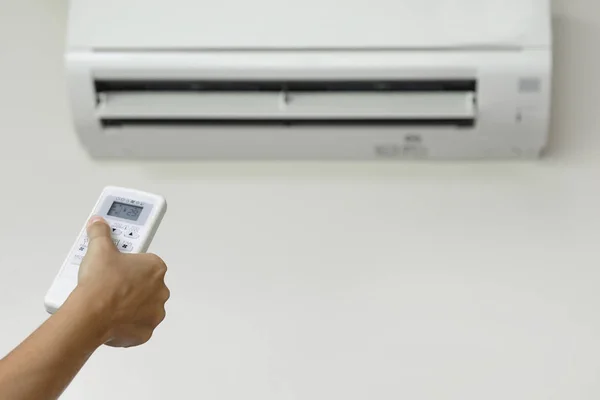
311	79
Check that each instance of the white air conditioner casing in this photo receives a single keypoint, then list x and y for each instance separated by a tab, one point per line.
311	79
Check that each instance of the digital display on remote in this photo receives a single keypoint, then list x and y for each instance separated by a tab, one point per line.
125	211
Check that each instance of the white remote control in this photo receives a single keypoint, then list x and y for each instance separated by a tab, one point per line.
134	218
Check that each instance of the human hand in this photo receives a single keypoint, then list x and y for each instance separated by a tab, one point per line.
128	289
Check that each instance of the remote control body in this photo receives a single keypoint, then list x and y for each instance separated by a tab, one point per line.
134	218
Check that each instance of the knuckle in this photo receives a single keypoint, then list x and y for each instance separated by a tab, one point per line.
164	294
157	318
157	262
162	314
145	336
162	268
154	259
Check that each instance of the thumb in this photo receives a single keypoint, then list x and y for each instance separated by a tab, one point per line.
99	232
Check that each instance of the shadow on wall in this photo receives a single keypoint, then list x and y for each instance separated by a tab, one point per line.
576	100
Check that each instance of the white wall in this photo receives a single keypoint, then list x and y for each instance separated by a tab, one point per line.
323	281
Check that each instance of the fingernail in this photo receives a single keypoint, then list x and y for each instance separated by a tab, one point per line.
95	219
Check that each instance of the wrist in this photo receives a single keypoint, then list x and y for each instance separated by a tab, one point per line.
93	311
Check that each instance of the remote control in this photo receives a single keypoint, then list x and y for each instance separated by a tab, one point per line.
134	218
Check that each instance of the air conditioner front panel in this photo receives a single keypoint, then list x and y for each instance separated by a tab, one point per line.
508	118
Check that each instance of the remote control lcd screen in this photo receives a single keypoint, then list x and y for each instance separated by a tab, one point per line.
126	211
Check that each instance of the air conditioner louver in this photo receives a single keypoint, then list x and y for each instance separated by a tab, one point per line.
435	103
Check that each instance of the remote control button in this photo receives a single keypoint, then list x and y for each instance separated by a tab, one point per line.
77	259
116	232
132	235
116	241
118	225
126	247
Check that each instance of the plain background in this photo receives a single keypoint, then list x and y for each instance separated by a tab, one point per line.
319	280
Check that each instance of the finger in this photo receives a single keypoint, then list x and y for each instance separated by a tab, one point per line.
99	232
